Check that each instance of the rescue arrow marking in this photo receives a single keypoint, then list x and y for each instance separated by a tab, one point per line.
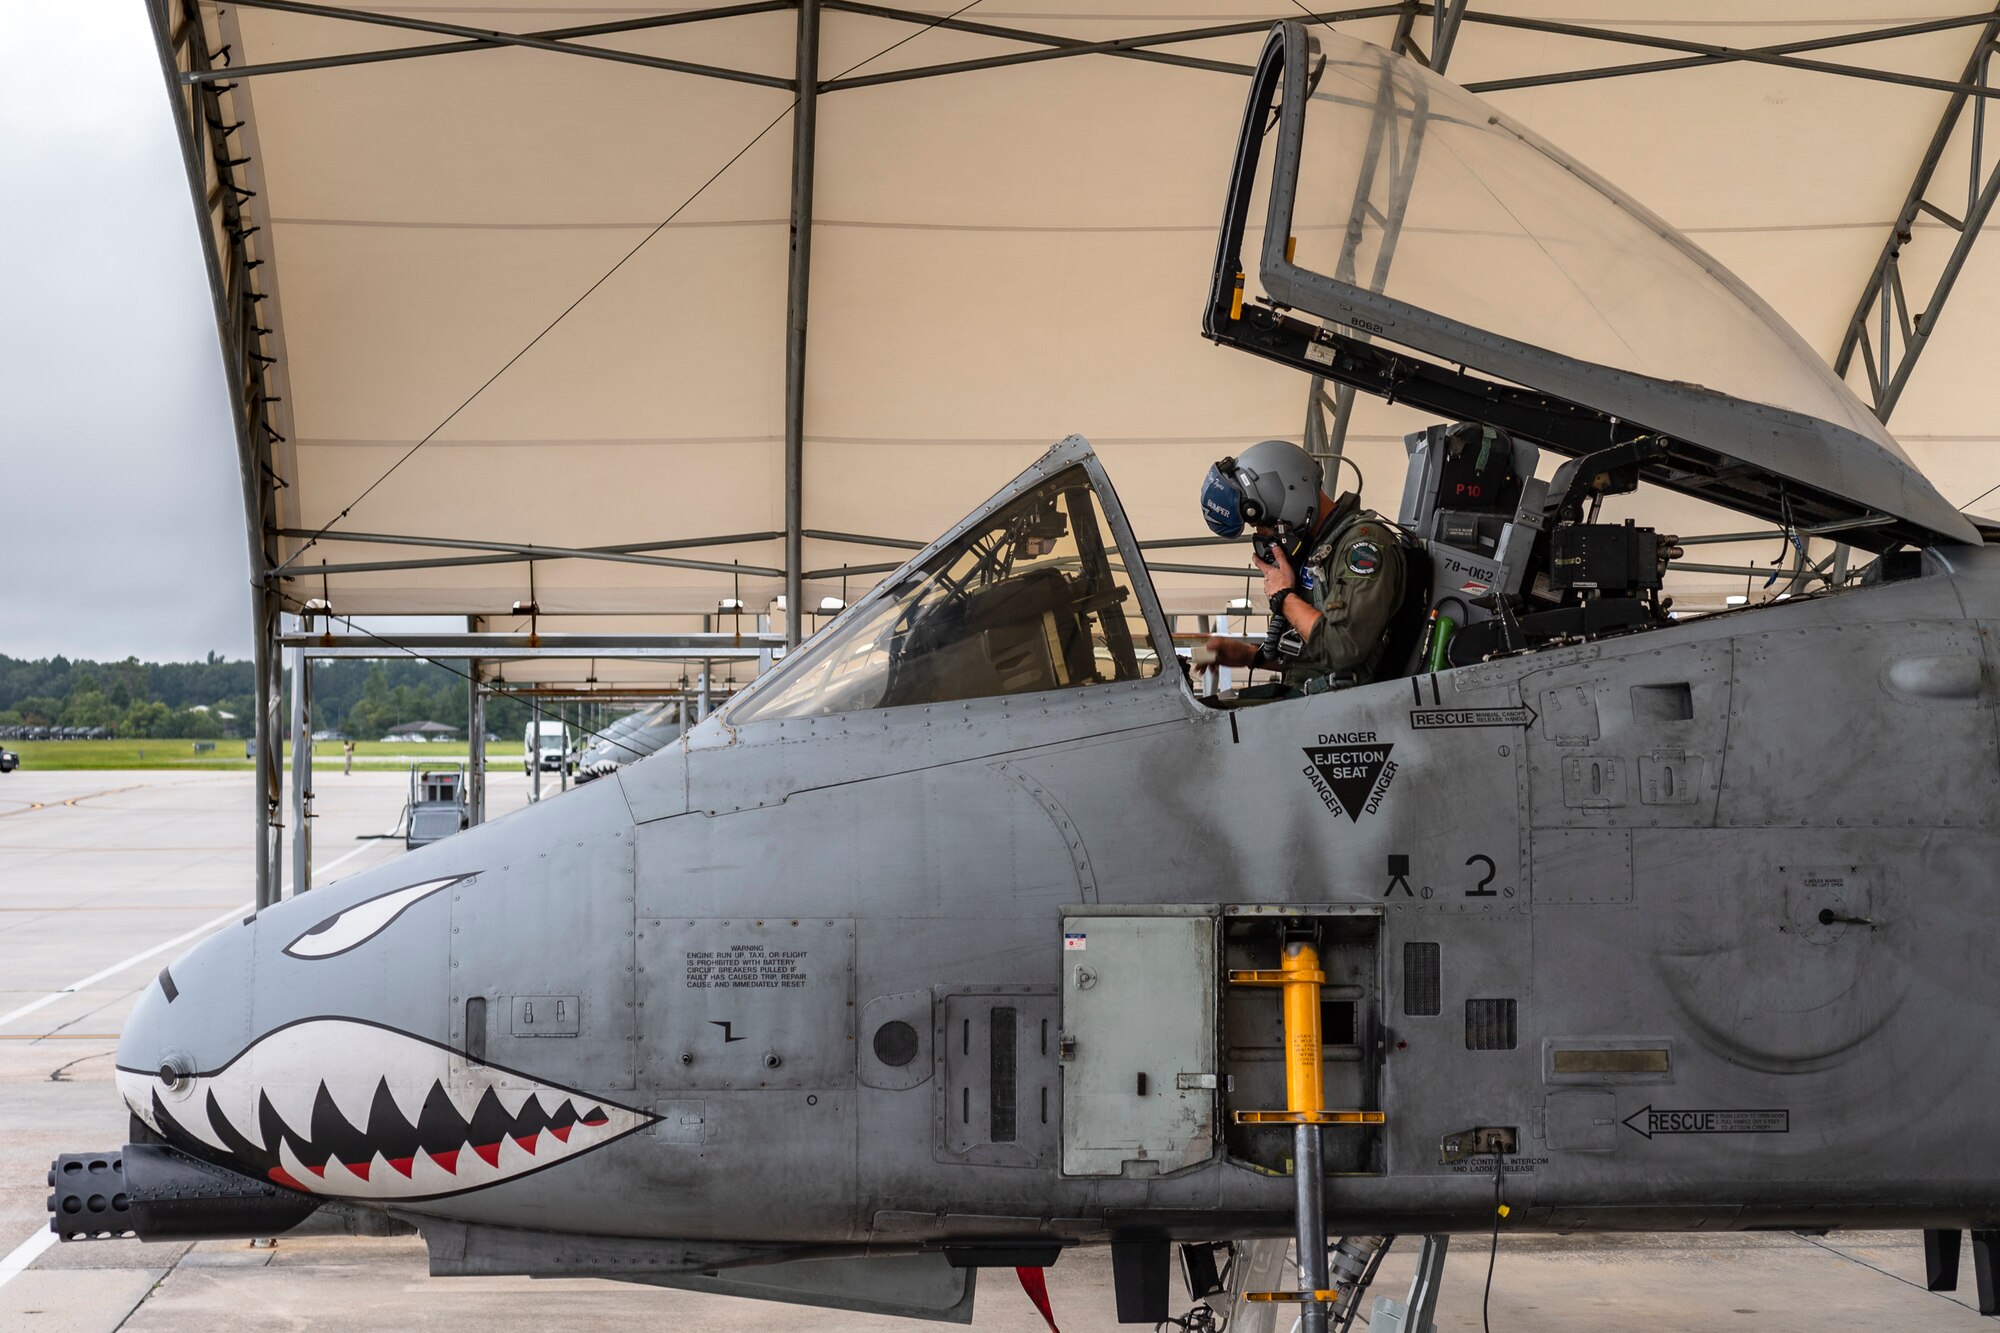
1431	719
1649	1122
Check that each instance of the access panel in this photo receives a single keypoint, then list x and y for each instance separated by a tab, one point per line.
1139	1066
757	1003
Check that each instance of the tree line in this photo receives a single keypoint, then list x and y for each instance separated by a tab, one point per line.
216	698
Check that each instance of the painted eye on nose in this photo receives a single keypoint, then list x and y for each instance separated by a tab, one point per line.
362	922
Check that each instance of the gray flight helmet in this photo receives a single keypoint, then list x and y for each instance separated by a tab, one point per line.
1281	486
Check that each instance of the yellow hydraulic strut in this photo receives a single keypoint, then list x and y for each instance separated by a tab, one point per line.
1300	978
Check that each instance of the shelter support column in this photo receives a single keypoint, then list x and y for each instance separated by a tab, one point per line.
204	125
475	748
302	776
267	660
805	133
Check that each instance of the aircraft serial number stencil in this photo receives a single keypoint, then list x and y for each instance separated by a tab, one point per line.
746	1003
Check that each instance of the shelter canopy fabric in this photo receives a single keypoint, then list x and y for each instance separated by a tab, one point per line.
1001	257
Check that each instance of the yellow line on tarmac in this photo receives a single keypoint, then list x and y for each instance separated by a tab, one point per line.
126	907
58	1036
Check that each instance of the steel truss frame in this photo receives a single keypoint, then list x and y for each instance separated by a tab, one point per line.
204	78
1890	355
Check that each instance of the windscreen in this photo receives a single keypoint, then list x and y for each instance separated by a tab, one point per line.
1030	598
1412	188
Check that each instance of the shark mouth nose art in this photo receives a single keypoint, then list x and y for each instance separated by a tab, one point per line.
400	1118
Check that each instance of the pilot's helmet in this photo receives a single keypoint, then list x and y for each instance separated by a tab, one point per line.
1274	482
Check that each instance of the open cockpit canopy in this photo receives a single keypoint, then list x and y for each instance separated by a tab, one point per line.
1401	209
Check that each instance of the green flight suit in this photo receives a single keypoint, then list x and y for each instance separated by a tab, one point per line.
1353	576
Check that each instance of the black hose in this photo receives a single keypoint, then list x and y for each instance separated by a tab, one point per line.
1493	1253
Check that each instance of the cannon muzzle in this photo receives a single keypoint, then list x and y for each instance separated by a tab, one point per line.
156	1192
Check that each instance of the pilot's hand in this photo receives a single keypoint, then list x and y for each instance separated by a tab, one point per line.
1222	651
1278	573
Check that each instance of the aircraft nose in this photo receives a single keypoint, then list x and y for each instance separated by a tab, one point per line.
190	1018
141	1043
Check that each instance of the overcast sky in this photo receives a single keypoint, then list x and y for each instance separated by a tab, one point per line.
121	517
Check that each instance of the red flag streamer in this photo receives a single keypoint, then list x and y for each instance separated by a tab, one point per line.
1035	1282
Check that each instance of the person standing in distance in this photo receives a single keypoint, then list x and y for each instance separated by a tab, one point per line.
1333	571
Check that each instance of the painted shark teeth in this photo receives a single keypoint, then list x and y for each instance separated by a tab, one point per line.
395	1117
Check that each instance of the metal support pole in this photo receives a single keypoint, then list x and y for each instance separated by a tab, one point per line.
218	200
266	775
535	755
701	700
805	131
274	761
1445	18
475	750
302	779
562	773
1309	1178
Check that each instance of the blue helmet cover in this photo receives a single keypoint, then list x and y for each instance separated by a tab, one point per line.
1222	502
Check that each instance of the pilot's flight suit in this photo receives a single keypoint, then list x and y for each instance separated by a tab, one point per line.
1353	576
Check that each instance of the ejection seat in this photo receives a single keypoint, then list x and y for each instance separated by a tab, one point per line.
1471	500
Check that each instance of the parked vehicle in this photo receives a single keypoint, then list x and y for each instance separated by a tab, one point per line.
547	739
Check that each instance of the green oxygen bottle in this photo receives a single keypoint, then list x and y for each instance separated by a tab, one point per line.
1437	639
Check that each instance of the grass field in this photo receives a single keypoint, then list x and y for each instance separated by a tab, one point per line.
230	754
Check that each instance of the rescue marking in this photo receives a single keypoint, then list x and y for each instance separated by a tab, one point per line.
1074	941
1432	719
1350	771
1399	874
1649	1122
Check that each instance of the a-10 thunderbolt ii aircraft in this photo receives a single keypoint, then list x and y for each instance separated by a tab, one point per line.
971	932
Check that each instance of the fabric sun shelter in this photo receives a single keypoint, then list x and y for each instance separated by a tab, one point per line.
999	256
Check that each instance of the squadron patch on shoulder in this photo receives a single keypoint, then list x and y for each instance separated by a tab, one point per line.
1364	558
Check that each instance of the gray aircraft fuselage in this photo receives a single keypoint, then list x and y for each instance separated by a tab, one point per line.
1702	913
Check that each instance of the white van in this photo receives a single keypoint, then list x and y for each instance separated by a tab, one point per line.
548	739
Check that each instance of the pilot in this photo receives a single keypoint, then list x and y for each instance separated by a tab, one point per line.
1333	571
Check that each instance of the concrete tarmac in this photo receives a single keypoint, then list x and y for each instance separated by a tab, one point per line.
99	870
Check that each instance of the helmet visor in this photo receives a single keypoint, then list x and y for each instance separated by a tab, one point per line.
1222	500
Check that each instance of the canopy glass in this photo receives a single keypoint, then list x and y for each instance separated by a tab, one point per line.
1413	188
1029	597
1402	209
